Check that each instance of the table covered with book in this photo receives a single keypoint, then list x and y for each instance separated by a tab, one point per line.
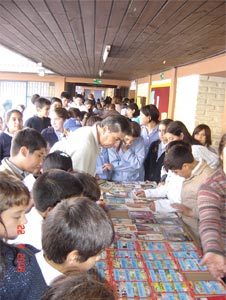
153	256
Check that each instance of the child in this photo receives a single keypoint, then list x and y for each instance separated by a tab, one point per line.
90	185
80	286
27	152
56	132
20	275
49	189
179	160
41	120
127	161
57	160
14	123
73	236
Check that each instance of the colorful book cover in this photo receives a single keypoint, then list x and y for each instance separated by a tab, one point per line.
126	263
133	289
173	296
129	275
163	287
165	275
182	246
146	236
191	264
186	254
208	288
152	246
123	253
150	255
164	264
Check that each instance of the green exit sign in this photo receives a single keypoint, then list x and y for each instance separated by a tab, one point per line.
97	81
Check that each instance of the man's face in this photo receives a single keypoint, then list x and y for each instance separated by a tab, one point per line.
109	139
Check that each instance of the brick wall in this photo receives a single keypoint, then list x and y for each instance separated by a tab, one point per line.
210	104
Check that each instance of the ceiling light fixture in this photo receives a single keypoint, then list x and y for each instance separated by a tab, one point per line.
40	69
106	52
101	72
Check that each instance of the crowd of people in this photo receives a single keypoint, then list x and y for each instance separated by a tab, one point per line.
50	163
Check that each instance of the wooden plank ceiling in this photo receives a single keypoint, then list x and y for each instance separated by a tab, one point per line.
69	36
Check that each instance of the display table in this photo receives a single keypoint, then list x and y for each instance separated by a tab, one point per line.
153	255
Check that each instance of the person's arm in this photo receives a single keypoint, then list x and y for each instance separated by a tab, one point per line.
210	207
202	152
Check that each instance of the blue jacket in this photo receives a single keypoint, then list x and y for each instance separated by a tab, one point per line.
50	136
5	145
22	279
128	165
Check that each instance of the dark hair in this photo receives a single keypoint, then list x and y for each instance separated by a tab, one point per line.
91	120
29	138
55	99
176	156
42	102
34	98
165	122
177	128
90	185
117	123
61	113
65	95
81	286
133	106
76	224
57	160
207	130
12	111
151	111
74	113
222	144
135	129
53	186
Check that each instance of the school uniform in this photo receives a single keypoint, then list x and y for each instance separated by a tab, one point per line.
149	137
128	165
38	123
167	194
22	277
202	153
102	159
5	144
154	161
51	136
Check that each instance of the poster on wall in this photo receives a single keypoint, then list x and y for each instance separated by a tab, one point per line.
159	96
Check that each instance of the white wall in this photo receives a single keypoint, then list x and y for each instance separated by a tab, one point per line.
186	100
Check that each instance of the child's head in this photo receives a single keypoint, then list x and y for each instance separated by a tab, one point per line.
57	160
179	159
42	107
90	185
14	201
149	113
202	133
55	103
82	286
162	129
53	186
28	149
74	234
135	133
58	117
132	111
14	121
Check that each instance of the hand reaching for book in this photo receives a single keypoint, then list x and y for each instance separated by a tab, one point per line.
183	209
215	263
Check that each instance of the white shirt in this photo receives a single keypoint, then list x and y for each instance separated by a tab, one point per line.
168	193
83	148
49	273
32	230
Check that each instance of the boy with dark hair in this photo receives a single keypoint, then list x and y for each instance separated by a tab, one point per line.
65	97
79	286
41	120
49	189
73	236
28	149
179	159
57	160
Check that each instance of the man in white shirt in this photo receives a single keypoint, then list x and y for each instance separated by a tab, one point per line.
83	145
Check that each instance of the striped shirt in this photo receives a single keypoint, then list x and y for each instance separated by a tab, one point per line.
212	213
